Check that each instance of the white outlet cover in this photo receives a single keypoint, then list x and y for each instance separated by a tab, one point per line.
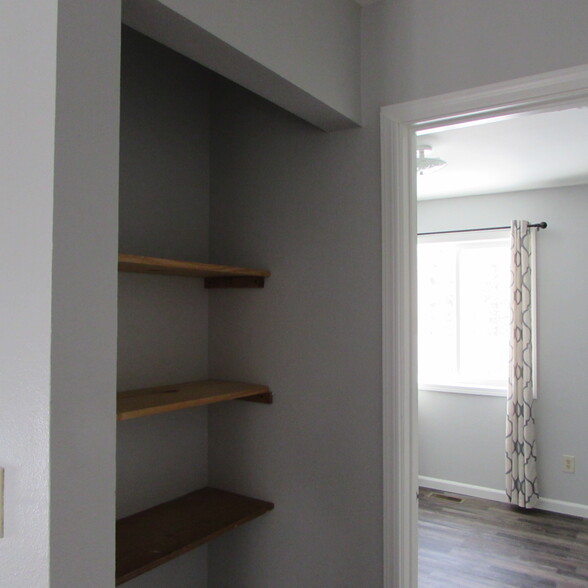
569	464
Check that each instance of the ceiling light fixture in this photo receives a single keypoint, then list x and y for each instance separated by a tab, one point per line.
427	165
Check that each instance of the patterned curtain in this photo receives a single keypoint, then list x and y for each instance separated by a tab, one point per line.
521	451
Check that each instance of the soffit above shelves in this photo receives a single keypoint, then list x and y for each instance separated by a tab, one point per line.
317	78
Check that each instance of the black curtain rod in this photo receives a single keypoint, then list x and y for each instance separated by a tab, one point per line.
541	225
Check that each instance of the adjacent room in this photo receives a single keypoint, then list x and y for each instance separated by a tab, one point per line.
498	511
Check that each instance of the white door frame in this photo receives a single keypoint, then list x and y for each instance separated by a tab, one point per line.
399	123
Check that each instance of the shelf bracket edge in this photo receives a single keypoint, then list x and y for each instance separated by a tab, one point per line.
234	282
263	398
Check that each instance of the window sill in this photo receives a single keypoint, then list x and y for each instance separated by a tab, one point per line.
470	390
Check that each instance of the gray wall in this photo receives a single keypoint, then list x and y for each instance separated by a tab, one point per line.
307	206
423	47
83	305
324	208
462	437
59	144
163	321
26	183
279	201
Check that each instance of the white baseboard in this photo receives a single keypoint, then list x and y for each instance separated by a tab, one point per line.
549	504
461	488
562	507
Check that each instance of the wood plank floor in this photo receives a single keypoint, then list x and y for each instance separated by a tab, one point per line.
479	543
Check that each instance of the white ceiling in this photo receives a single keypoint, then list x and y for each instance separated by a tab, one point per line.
541	150
365	2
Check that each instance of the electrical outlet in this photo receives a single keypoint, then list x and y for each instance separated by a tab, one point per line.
569	464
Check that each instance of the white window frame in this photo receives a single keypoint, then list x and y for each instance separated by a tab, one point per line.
459	388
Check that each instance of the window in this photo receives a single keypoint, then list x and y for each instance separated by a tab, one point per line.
463	312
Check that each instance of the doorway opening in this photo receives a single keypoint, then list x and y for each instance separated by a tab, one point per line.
400	125
532	167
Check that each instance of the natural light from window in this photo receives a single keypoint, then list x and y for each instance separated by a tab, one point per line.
463	312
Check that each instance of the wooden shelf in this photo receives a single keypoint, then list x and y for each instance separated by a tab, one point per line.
155	536
216	276
148	401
